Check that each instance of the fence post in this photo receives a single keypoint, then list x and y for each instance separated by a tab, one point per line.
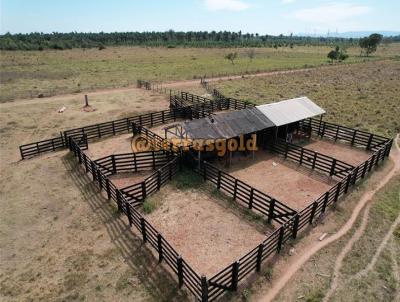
323	130
85	162
179	263
108	189
93	170
354	137
204	289
379	155
235	275
113	164
314	160
259	257
280	239
295	226
333	167
251	198
369	141
325	202
371	163
119	200
271	210
144	193
235	189
160	251
128	213
286	149
301	155
364	169
337	192
158	180
348	182
337	133
355	175
219	180
99	179
143	229
313	210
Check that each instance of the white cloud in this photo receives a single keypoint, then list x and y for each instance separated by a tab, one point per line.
288	1
233	5
330	14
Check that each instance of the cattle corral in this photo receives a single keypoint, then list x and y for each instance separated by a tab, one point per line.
330	177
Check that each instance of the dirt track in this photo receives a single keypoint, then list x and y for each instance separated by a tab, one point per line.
309	252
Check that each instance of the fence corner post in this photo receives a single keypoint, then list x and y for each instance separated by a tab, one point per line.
235	275
280	239
179	262
295	226
160	250
204	289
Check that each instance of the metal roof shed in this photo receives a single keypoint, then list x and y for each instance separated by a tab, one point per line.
227	125
290	111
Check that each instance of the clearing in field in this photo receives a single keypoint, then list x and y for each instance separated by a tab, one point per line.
288	182
207	229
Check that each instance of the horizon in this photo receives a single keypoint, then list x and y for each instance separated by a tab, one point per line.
310	17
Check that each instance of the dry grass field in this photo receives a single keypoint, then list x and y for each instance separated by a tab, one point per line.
365	96
27	74
60	240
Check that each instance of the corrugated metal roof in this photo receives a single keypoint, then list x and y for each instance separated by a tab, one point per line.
289	111
227	125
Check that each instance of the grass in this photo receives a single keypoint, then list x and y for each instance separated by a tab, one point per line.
364	96
27	74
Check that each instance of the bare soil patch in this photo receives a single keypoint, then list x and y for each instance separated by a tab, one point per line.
288	182
123	180
208	233
351	155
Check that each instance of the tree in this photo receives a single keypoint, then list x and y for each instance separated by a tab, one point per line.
231	57
338	54
251	53
370	44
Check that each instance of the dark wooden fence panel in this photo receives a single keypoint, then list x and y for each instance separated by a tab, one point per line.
150	235
246	195
312	159
48	145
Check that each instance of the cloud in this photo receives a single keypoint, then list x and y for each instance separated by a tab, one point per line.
232	5
288	1
330	14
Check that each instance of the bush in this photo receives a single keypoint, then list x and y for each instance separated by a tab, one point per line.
149	206
187	179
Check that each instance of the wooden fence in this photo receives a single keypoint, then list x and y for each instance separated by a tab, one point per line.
354	137
102	130
246	195
166	253
311	159
229	277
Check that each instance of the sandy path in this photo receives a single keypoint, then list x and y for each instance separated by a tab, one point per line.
309	252
339	261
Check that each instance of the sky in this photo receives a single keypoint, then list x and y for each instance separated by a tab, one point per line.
254	16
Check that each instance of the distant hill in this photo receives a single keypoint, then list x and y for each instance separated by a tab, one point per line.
353	34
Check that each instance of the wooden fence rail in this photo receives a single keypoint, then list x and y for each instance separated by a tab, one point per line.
166	253
352	136
311	159
229	277
246	195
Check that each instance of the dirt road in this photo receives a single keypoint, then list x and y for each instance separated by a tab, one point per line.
309	252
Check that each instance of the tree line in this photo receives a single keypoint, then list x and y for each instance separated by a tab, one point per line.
41	41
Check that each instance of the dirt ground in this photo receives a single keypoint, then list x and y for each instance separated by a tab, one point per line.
118	144
60	240
351	155
289	183
123	180
206	232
